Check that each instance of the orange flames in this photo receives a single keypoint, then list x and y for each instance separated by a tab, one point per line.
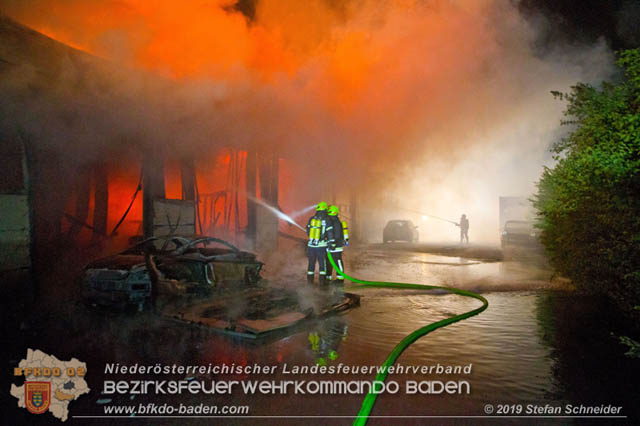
346	56
392	96
363	77
210	39
189	38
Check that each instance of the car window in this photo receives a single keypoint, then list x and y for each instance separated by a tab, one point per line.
398	223
513	226
178	271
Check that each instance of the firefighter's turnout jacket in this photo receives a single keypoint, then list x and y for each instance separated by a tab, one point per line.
338	234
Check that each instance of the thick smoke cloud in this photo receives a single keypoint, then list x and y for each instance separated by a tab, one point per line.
437	106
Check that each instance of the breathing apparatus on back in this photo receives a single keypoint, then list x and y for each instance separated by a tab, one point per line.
316	225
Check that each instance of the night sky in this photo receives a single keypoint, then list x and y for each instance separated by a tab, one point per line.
585	21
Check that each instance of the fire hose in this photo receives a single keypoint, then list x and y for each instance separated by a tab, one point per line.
370	399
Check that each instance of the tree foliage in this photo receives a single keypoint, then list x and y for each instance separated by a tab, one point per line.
589	202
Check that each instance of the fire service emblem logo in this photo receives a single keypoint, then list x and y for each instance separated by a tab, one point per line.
37	396
50	385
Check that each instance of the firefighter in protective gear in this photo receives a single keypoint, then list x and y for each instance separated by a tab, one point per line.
317	230
464	228
338	239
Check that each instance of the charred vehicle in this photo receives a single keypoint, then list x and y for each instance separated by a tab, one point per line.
400	230
206	283
200	265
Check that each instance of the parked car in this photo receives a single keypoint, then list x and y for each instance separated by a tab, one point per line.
400	230
202	264
519	233
520	242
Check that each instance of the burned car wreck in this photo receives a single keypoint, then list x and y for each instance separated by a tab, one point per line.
197	267
207	283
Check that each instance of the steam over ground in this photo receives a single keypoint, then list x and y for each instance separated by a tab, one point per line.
438	106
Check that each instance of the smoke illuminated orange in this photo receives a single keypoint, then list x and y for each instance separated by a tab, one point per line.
366	92
209	39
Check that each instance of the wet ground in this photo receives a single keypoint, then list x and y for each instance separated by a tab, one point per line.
538	343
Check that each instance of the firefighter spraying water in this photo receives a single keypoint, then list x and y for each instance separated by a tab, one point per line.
326	232
464	228
463	224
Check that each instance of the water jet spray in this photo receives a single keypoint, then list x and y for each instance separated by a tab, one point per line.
426	215
280	214
302	211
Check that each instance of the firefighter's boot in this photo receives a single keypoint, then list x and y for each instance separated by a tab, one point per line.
322	281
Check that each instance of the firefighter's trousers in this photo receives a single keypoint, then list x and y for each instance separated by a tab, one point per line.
337	257
319	255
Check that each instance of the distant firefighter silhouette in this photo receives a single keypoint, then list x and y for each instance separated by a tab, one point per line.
464	229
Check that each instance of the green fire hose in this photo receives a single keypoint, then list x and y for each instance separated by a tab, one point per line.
370	399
